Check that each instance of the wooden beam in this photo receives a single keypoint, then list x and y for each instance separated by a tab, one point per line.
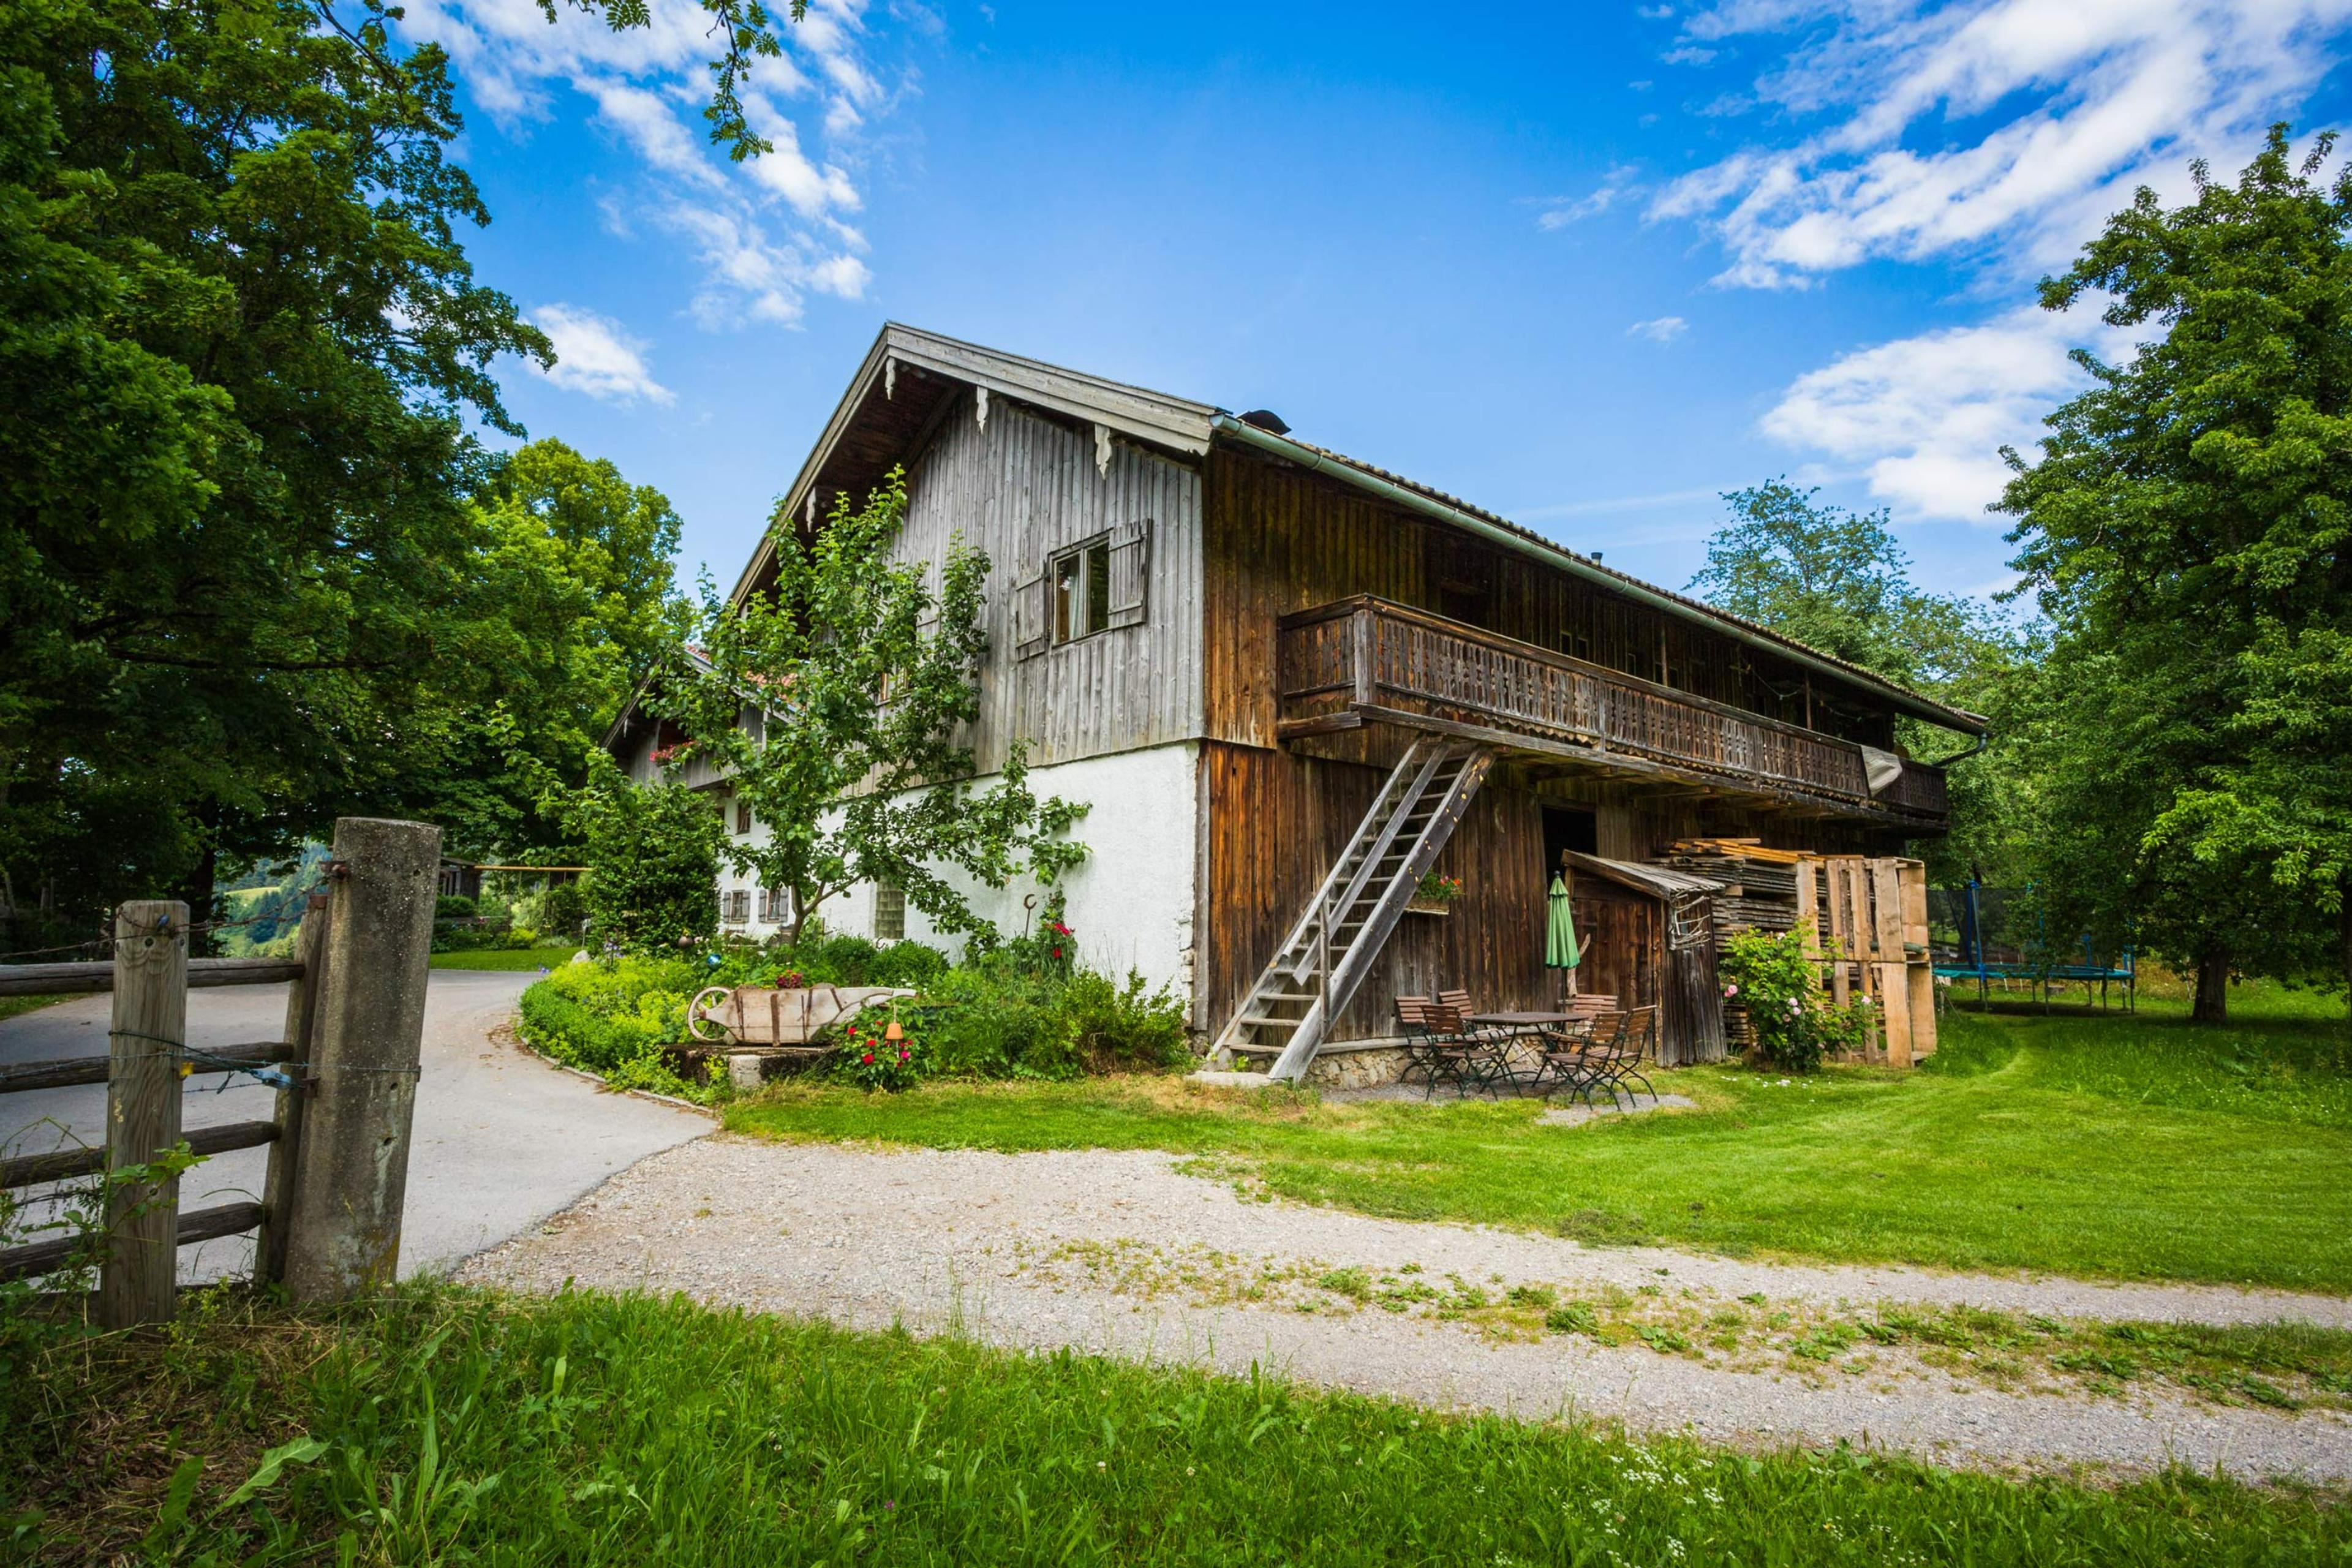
72	979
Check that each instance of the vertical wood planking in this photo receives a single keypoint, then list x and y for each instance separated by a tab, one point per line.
149	1025
1022	489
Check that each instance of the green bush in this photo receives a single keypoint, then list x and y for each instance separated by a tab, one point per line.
825	960
654	857
993	1019
614	1018
1779	984
455	907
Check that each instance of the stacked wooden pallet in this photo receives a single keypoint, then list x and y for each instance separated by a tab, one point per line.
1759	884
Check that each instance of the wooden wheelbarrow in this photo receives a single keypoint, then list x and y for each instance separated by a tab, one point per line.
755	1016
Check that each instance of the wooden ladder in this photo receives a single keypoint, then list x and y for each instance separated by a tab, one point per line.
1316	972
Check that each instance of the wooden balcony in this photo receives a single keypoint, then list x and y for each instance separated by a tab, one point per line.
1365	660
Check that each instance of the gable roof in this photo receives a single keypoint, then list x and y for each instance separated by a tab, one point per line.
874	424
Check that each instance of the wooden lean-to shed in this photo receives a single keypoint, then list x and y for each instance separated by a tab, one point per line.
1649	940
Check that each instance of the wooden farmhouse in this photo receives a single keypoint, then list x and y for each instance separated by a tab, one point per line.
1288	684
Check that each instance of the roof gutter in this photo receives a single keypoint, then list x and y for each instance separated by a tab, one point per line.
1313	461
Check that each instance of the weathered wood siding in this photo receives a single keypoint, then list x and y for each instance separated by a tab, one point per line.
1279	539
1020	488
1274	821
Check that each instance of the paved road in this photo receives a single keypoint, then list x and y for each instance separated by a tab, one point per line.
502	1140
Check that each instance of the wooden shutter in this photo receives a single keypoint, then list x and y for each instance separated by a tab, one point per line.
1029	618
1130	573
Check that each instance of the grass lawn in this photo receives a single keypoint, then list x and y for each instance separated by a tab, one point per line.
531	959
2130	1146
13	1006
445	1426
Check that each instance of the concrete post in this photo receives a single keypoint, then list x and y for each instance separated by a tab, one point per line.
136	1278
351	1171
302	1017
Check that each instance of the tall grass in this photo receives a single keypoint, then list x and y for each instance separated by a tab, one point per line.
449	1426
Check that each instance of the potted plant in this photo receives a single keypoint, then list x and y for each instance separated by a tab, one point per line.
1435	895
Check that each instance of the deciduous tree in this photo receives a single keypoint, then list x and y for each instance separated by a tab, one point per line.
2187	530
835	706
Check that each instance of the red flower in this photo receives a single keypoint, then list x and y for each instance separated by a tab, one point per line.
1057	952
867	1058
902	1056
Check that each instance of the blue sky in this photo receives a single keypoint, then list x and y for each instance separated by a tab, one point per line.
1587	266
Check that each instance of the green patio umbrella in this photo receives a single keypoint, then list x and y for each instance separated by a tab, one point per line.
1561	950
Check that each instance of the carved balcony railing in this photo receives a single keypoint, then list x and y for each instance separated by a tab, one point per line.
1365	659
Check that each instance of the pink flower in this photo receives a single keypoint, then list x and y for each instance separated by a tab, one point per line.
1731	990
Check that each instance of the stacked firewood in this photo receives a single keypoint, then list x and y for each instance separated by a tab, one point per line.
1759	884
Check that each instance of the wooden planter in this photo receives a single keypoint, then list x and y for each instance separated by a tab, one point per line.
1421	906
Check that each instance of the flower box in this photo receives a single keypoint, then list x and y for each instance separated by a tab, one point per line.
1427	906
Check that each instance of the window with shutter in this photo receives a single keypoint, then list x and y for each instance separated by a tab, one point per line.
1029	623
1130	574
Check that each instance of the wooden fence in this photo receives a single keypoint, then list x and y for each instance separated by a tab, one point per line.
328	1215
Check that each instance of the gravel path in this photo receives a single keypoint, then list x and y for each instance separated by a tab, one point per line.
984	1243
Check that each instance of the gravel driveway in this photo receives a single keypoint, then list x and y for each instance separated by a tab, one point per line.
1126	1253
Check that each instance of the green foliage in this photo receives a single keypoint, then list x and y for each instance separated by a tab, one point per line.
1001	1017
622	1428
832	705
823	958
2187	529
256	570
211	631
613	1019
653	858
1781	985
1837	581
871	1060
455	907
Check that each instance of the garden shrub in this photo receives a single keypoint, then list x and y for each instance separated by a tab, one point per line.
614	1018
1781	985
1023	1009
652	854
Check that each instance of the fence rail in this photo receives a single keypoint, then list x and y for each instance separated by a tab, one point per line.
330	1214
1366	656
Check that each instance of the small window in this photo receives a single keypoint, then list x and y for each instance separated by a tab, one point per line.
743	817
889	912
1082	591
738	906
771	906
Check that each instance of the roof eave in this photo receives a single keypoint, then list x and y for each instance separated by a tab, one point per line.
1510	537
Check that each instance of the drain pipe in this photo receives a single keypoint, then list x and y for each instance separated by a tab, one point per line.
1983	739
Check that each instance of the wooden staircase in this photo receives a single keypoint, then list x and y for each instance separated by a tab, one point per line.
1316	971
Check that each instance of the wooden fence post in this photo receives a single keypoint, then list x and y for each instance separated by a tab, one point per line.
351	1171
150	1028
302	1015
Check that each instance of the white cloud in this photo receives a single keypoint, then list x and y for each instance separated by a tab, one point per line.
1688	54
595	354
767	230
1615	187
1924	417
1663	330
2008	123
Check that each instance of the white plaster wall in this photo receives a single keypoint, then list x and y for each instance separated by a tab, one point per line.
1131	902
